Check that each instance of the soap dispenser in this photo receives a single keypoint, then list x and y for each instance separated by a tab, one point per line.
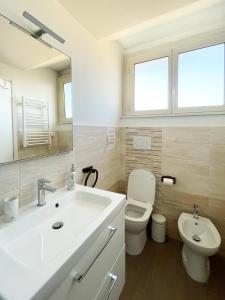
71	178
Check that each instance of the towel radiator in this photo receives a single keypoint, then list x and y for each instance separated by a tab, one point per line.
36	129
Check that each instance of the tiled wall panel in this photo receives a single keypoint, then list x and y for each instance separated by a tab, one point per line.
90	148
144	159
196	157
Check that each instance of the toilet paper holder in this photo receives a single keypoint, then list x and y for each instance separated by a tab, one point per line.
169	177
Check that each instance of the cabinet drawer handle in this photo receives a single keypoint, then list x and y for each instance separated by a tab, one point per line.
113	280
79	277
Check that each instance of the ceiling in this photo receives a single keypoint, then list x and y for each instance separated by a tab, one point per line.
189	21
104	18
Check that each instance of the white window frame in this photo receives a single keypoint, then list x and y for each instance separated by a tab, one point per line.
131	84
61	80
172	54
201	109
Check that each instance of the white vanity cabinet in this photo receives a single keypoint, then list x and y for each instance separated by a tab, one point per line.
83	259
100	272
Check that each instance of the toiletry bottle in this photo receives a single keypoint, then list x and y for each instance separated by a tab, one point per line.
71	178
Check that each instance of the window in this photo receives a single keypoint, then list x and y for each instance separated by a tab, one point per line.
201	77
64	97
185	80
68	100
151	85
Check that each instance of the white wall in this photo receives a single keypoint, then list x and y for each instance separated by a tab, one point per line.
37	84
97	66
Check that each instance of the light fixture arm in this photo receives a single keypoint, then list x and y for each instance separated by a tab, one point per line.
43	28
38	34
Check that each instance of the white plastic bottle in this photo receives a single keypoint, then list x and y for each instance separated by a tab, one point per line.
71	179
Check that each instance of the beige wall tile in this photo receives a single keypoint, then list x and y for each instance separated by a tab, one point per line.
91	148
184	202
195	156
187	151
9	178
192	184
53	168
183	135
217	208
217	180
217	215
184	166
217	153
217	135
192	176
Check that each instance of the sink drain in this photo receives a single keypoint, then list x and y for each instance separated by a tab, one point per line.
57	225
196	238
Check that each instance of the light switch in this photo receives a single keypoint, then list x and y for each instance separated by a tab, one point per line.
142	142
111	137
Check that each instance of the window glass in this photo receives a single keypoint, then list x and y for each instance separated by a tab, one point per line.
151	85
201	77
68	100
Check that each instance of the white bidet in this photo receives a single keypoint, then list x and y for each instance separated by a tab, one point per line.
201	240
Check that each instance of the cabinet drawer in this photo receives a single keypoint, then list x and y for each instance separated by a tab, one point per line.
114	279
89	273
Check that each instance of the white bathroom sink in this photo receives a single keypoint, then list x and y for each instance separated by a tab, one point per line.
31	251
40	243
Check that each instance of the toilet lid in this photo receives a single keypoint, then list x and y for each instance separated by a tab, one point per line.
141	186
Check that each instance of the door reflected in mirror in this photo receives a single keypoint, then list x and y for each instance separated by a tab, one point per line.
35	97
6	128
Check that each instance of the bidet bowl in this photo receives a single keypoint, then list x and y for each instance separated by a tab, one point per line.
202	228
201	240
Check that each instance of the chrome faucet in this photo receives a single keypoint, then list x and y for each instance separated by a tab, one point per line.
42	187
196	211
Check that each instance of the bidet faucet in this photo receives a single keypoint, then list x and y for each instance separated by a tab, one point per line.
196	211
42	187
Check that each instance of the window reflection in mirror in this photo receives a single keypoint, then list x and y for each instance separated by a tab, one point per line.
68	100
64	97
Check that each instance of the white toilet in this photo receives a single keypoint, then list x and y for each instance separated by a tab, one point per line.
139	205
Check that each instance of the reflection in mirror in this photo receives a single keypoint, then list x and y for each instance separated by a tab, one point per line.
6	134
35	97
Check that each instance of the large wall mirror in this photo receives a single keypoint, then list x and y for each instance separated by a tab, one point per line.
35	97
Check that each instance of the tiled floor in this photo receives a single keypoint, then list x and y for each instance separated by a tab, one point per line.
158	274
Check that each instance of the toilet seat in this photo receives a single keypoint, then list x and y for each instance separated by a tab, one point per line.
144	218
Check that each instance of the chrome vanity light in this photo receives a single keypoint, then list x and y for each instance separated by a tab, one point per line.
43	28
